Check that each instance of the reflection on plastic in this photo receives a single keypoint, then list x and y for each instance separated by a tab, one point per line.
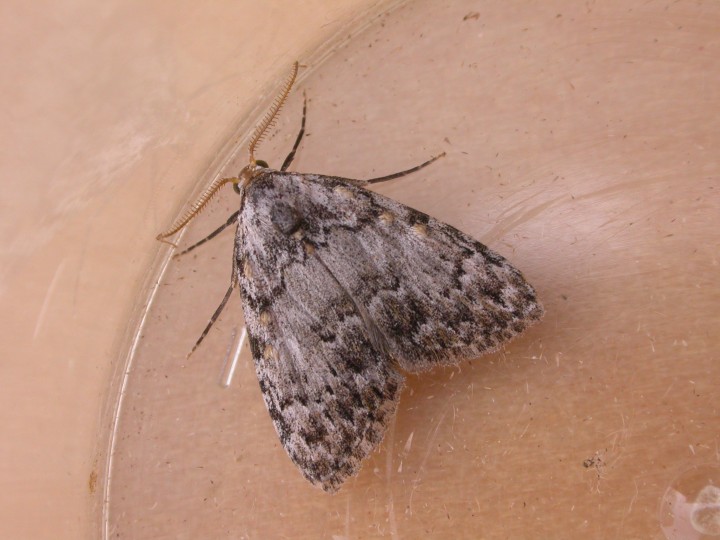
690	508
232	356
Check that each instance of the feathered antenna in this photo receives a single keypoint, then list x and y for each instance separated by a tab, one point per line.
271	115
249	170
197	207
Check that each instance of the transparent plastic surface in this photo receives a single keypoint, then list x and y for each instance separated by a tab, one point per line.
691	505
583	166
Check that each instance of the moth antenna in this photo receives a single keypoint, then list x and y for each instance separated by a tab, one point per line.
197	207
260	130
270	117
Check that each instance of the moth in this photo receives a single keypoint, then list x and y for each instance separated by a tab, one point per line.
345	291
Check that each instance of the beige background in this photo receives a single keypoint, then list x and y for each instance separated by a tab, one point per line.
582	145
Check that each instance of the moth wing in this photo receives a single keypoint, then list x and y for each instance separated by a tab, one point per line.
435	294
340	285
329	389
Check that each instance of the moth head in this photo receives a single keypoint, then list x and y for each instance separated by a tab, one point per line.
247	174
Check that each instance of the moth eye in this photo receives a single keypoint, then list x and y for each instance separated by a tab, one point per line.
261	163
286	218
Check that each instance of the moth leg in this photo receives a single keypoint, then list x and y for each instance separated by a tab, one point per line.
214	317
403	173
291	155
232	219
233	282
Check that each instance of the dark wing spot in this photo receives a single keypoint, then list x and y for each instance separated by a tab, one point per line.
286	218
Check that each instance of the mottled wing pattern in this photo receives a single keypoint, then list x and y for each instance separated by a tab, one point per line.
436	294
329	389
340	286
